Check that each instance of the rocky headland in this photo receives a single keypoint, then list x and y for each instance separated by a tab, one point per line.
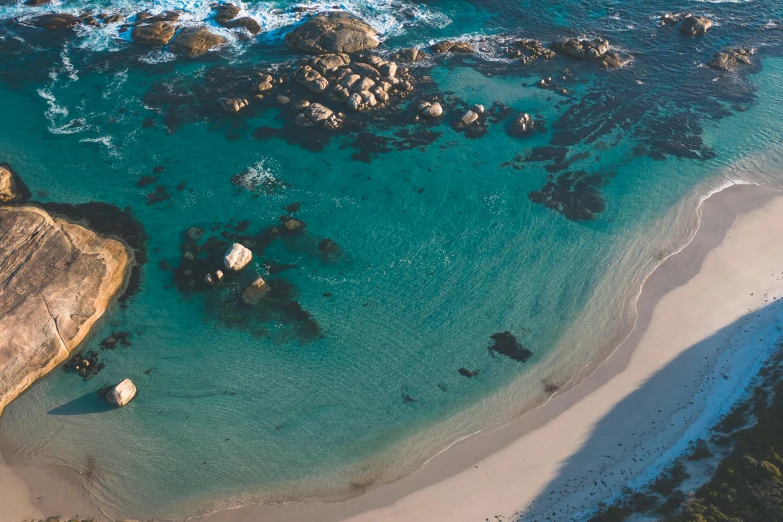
56	280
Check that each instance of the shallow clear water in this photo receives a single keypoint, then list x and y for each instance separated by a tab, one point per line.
442	246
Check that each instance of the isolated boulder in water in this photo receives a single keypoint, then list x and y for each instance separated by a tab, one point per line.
156	34
232	104
121	394
12	189
237	257
248	23
336	32
193	41
225	13
695	25
56	21
730	58
430	110
255	292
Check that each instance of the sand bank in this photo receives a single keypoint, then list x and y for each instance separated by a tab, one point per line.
705	325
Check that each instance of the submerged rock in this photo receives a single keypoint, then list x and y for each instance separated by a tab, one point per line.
695	25
334	32
12	189
506	344
193	41
155	34
257	290
237	257
121	394
57	279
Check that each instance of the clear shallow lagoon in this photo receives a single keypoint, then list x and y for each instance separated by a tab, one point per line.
442	245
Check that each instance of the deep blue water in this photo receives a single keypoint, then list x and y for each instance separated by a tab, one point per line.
352	379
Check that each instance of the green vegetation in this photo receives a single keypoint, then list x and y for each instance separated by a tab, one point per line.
748	485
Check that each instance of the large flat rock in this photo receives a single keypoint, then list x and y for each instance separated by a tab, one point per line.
56	280
333	32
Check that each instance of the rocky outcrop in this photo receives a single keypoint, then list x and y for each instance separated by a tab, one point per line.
730	58
596	49
55	21
155	34
56	280
456	47
695	25
237	257
409	55
193	41
335	32
316	114
527	51
12	189
121	394
245	22
226	16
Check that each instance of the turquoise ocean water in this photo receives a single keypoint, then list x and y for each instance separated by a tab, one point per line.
441	244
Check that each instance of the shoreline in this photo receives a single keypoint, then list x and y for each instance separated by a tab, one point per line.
451	482
448	483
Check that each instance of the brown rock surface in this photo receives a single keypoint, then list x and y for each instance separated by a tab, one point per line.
12	189
193	41
335	32
56	280
155	34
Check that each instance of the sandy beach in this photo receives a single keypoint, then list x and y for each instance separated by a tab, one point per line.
705	326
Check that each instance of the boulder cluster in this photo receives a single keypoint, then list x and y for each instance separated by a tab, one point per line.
596	49
158	31
690	24
360	83
527	51
60	21
226	16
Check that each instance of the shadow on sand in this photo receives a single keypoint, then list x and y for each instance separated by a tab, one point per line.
637	433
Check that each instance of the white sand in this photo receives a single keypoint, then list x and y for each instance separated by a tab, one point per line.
705	326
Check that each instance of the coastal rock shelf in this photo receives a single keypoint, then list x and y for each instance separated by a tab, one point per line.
56	279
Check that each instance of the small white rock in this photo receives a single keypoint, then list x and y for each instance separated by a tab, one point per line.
121	394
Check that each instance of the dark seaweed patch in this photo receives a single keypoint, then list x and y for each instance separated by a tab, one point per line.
573	194
202	254
85	365
115	340
506	344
